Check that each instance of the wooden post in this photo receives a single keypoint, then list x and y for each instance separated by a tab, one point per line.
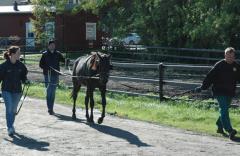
161	74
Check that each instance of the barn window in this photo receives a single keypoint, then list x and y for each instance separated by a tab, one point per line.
50	30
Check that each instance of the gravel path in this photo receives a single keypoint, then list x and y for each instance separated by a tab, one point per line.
39	134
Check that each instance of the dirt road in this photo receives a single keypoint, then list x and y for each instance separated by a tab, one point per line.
39	134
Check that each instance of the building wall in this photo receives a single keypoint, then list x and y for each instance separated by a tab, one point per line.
71	31
13	24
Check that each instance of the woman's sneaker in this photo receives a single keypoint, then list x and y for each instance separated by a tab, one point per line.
232	134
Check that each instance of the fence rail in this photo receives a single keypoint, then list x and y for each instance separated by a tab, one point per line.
166	54
160	80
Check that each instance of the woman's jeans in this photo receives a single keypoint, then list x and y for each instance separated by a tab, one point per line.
224	120
51	82
11	101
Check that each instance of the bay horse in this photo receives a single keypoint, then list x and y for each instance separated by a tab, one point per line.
93	72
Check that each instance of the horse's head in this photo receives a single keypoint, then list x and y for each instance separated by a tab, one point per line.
103	66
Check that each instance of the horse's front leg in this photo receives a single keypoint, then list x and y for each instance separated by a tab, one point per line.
86	105
103	95
75	90
91	106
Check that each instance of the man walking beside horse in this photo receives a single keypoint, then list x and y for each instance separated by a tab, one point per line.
50	63
223	77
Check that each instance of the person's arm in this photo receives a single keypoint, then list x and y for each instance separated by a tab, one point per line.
42	63
1	72
209	79
24	74
238	72
61	58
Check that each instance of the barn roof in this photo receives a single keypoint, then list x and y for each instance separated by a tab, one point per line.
21	9
11	2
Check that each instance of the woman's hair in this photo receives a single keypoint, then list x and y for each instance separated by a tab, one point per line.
11	50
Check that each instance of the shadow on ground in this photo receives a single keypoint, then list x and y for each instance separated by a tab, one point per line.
119	133
235	139
28	142
68	118
116	132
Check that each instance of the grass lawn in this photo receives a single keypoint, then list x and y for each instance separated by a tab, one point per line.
198	116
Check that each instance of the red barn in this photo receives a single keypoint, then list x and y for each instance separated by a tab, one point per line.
72	32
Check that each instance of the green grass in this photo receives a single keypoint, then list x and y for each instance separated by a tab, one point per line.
198	116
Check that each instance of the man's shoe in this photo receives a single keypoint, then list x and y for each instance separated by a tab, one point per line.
220	131
51	112
11	131
232	134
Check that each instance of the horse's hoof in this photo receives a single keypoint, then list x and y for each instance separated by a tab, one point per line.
100	120
90	120
74	117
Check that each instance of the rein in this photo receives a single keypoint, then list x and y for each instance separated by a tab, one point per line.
64	74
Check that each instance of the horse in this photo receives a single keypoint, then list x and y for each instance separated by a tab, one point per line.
93	72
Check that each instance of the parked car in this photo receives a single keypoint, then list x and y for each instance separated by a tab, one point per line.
114	43
131	38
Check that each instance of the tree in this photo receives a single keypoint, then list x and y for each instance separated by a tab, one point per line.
176	23
44	11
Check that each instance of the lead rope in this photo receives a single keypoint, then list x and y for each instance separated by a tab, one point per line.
25	95
64	74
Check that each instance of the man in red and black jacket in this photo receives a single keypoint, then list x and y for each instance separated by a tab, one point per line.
223	77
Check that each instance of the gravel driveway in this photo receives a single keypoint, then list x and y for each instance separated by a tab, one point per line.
39	134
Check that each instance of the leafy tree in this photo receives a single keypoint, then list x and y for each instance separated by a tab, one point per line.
176	23
45	11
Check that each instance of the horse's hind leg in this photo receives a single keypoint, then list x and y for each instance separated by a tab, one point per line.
103	95
76	88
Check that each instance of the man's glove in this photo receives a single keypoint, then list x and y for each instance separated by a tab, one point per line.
198	89
27	82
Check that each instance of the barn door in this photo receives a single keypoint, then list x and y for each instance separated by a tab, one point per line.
30	41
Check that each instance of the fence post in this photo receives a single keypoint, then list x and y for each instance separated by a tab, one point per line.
161	72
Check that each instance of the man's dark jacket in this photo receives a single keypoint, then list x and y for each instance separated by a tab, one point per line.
223	77
49	60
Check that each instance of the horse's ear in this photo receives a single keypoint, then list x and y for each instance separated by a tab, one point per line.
93	58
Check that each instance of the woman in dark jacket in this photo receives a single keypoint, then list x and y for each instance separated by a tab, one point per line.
12	74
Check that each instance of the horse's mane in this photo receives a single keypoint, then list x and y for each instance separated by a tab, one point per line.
89	63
